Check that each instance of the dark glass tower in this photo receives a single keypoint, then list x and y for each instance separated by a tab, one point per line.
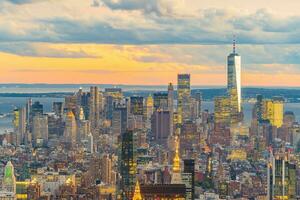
189	167
128	164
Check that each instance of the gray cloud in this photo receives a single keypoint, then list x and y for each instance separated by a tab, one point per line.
158	7
210	26
23	1
42	50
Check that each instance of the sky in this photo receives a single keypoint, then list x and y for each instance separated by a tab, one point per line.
148	42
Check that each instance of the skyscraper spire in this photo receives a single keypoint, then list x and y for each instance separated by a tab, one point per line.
176	176
137	192
234	44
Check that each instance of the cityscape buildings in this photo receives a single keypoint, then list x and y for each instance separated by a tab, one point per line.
110	144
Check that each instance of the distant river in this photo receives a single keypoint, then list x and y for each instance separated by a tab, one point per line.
7	104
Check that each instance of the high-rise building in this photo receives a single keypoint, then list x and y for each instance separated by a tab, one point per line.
28	112
119	119
222	110
171	105
94	107
149	110
112	96
273	111
20	125
136	105
71	103
234	78
183	97
176	173
106	169
189	175
84	128
281	178
58	108
90	148
160	101
36	109
198	98
70	133
9	179
40	130
128	164
161	128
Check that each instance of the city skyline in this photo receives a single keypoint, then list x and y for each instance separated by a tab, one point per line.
144	43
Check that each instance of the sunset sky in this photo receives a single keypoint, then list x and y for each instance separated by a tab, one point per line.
148	41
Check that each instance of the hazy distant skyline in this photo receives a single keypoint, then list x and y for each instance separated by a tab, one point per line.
147	42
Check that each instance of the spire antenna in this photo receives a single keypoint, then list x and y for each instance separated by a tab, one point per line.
234	44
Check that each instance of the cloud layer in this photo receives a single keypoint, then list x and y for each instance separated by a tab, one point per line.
143	36
140	22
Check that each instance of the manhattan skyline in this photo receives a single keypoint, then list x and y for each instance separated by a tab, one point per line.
147	42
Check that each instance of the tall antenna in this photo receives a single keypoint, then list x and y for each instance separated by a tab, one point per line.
234	44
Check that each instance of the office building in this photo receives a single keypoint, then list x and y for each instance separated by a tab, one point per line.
161	127
160	101
58	108
189	176
40	130
128	164
183	97
281	177
273	111
94	107
106	170
119	119
222	110
19	122
70	133
234	79
136	105
171	105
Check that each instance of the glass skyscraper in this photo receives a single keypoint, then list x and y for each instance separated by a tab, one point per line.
234	78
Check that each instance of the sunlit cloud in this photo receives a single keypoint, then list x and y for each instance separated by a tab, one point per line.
147	41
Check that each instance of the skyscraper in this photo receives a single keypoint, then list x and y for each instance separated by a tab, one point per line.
160	101
70	128
136	105
183	97
149	110
119	119
189	168
281	178
128	164
58	108
273	111
234	78
20	125
161	127
222	110
40	130
176	175
90	148
106	169
35	109
94	107
9	179
171	105
198	98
